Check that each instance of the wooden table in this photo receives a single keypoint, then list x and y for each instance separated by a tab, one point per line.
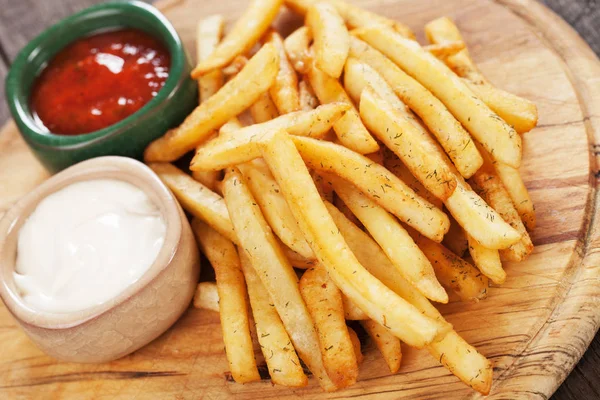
21	20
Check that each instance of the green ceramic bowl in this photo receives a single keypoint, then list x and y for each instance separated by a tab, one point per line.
128	137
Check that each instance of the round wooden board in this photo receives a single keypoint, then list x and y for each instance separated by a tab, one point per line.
534	327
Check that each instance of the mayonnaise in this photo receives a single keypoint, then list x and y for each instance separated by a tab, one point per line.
85	244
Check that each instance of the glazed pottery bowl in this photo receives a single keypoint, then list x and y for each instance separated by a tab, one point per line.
137	315
127	137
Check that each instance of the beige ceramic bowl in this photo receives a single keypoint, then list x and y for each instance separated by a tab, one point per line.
141	312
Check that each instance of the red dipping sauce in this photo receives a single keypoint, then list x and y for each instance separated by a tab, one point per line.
99	80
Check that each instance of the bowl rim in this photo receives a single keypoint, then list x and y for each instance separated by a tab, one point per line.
18	98
108	167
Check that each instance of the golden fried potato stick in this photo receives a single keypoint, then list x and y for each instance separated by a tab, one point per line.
208	35
456	239
452	271
445	49
280	355
275	272
233	125
297	48
330	37
496	136
284	91
443	125
233	307
207	296
388	344
234	68
351	310
210	179
324	302
480	220
493	191
209	206
462	359
487	261
393	239
323	186
354	16
246	32
410	142
356	344
196	198
376	182
308	98
244	144
339	203
349	129
396	167
521	113
513	183
368	293
274	207
264	109
232	99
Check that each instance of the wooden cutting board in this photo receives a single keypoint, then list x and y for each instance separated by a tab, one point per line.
534	327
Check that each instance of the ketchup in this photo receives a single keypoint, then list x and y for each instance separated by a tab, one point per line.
99	80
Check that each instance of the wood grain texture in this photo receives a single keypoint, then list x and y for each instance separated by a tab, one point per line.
534	327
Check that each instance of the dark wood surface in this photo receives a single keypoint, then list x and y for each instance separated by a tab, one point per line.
21	20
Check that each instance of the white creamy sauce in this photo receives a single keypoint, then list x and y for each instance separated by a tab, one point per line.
85	244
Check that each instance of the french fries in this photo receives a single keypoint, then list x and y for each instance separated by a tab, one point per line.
296	47
518	112
396	167
480	220
442	124
244	145
280	355
275	272
351	311
196	199
393	239
456	239
409	142
233	98
208	35
358	76
462	359
245	34
388	344
308	98
349	129
354	16
230	126
238	63
493	191
356	345
324	301
263	109
375	299
515	187
331	38
326	117
207	296
284	91
210	179
376	182
233	308
452	271
445	49
274	207
487	261
496	136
